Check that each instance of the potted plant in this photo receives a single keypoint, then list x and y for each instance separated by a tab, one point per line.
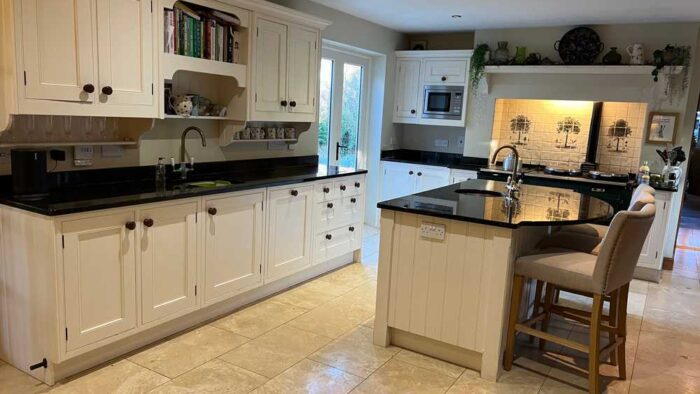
667	61
480	57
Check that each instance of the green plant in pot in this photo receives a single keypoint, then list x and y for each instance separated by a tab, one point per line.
672	55
478	63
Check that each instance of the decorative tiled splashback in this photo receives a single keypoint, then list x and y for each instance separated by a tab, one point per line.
555	132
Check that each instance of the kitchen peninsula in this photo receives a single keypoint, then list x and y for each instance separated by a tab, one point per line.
446	264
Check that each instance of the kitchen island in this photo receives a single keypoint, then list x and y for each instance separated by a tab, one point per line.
446	265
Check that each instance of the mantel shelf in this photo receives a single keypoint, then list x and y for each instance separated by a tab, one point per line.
74	143
173	63
563	69
288	140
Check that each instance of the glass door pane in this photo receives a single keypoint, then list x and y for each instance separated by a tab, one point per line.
324	115
350	115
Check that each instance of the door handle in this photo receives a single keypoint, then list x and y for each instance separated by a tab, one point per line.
337	150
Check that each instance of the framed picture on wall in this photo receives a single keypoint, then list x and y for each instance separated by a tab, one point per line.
662	127
418	45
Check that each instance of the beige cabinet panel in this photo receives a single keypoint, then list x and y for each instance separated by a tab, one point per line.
233	228
125	52
57	49
302	70
168	250
337	242
445	71
270	66
99	273
407	89
289	231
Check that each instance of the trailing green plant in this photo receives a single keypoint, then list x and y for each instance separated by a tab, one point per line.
672	55
478	63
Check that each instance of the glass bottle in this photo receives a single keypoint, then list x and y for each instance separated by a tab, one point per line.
160	175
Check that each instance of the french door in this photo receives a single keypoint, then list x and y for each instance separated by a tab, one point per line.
342	107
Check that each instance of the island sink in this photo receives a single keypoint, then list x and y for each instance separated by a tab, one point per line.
482	193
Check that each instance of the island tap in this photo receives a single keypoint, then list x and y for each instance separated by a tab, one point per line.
183	168
512	184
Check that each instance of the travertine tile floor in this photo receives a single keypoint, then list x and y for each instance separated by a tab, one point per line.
318	338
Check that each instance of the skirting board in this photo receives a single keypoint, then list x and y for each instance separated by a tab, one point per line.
440	350
192	320
650	274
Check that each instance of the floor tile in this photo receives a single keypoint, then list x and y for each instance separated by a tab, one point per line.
15	381
310	377
355	353
639	286
369	322
216	376
188	351
677	283
370	245
517	380
429	363
372	259
275	351
682	353
657	378
350	276
310	295
260	318
368	231
120	377
670	322
399	377
673	300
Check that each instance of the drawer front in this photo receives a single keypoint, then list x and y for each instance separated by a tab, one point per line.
332	214
445	71
325	191
351	186
334	243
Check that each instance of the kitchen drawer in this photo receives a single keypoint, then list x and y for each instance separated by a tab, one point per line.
332	214
334	243
445	71
325	191
351	186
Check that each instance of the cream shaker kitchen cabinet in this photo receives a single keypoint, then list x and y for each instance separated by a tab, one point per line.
233	244
402	179
457	176
99	276
168	249
431	177
408	100
286	71
290	215
445	72
651	257
83	57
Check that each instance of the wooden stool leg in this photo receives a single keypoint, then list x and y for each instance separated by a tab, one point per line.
515	297
548	299
623	292
612	321
594	346
538	303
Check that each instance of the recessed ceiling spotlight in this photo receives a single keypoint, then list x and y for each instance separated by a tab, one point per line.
456	16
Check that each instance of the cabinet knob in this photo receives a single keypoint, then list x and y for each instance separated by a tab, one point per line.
283	103
353	200
342	187
130	225
292	103
351	228
413	111
329	205
294	193
326	190
148	222
88	88
329	237
410	173
357	185
107	90
419	173
212	211
443	79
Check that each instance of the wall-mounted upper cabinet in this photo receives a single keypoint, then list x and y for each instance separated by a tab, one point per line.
431	87
81	57
285	73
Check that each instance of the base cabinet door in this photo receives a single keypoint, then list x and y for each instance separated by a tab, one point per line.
430	177
399	180
289	231
99	274
168	250
407	100
651	255
233	246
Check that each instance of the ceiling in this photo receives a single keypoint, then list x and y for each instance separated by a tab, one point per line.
435	15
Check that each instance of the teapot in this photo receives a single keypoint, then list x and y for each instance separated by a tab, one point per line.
181	104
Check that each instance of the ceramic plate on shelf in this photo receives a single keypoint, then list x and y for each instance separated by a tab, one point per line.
579	46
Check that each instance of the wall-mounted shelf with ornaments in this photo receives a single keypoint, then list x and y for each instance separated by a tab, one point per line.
234	132
642	71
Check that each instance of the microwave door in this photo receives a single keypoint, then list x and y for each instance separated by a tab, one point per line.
438	103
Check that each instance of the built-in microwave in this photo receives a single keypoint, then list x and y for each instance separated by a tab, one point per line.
443	102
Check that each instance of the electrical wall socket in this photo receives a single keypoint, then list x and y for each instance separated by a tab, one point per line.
432	231
440	143
83	152
460	142
112	151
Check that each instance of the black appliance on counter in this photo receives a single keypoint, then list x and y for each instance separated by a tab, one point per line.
29	176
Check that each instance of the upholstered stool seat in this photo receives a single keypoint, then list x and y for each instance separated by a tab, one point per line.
567	268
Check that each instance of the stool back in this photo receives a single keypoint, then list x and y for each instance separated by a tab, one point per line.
635	204
621	248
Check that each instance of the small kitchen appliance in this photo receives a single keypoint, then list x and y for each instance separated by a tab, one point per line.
29	176
443	102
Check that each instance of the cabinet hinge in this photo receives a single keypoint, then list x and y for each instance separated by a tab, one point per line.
63	241
256	97
657	254
260	267
152	90
257	32
66	334
151	6
25	78
664	204
196	217
195	290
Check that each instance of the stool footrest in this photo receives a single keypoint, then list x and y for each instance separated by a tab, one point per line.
552	338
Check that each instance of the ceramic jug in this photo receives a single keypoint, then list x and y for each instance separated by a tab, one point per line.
502	54
636	52
181	104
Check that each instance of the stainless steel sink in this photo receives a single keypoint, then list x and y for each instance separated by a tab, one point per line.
481	193
211	184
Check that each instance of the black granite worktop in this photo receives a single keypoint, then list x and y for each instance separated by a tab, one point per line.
537	206
441	159
82	191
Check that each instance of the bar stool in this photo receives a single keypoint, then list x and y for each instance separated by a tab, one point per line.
607	274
